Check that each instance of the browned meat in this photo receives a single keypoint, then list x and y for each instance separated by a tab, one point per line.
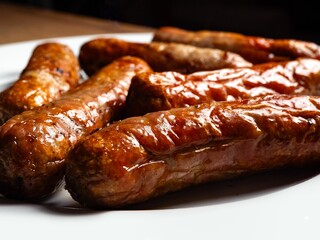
34	144
252	48
52	70
160	56
143	157
151	92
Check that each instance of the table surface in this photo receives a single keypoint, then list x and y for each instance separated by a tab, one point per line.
22	23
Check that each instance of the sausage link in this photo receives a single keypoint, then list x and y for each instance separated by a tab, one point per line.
252	48
34	144
147	156
182	58
151	92
52	70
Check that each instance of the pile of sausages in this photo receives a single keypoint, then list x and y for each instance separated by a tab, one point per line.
152	118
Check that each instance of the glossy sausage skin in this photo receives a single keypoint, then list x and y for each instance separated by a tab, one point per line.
52	70
34	144
151	92
182	58
143	157
252	48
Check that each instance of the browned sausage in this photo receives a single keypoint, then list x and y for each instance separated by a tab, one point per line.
183	58
34	144
52	70
143	157
252	48
151	92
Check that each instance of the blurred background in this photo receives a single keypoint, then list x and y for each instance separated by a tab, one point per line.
272	18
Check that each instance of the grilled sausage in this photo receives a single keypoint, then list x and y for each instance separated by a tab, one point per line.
142	157
160	56
52	70
252	48
34	144
151	92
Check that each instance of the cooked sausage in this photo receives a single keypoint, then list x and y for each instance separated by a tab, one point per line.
252	48
151	92
139	158
52	70
160	56
34	144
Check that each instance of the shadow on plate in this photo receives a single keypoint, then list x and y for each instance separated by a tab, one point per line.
221	192
60	203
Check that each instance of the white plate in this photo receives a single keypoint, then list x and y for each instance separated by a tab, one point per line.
278	205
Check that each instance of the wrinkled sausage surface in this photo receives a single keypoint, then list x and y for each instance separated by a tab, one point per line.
34	144
182	58
143	157
52	70
151	92
252	48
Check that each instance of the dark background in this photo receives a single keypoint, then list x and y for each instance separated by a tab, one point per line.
275	19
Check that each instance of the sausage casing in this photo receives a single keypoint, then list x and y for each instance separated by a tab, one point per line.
52	70
142	157
252	48
182	58
34	144
151	92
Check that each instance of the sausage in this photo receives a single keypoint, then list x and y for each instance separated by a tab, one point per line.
253	48
143	157
160	56
151	92
34	144
52	70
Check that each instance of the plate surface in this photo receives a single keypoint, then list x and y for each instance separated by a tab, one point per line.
277	205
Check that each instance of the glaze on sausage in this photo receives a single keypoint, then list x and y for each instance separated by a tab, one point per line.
52	70
252	48
151	92
160	56
139	158
34	144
